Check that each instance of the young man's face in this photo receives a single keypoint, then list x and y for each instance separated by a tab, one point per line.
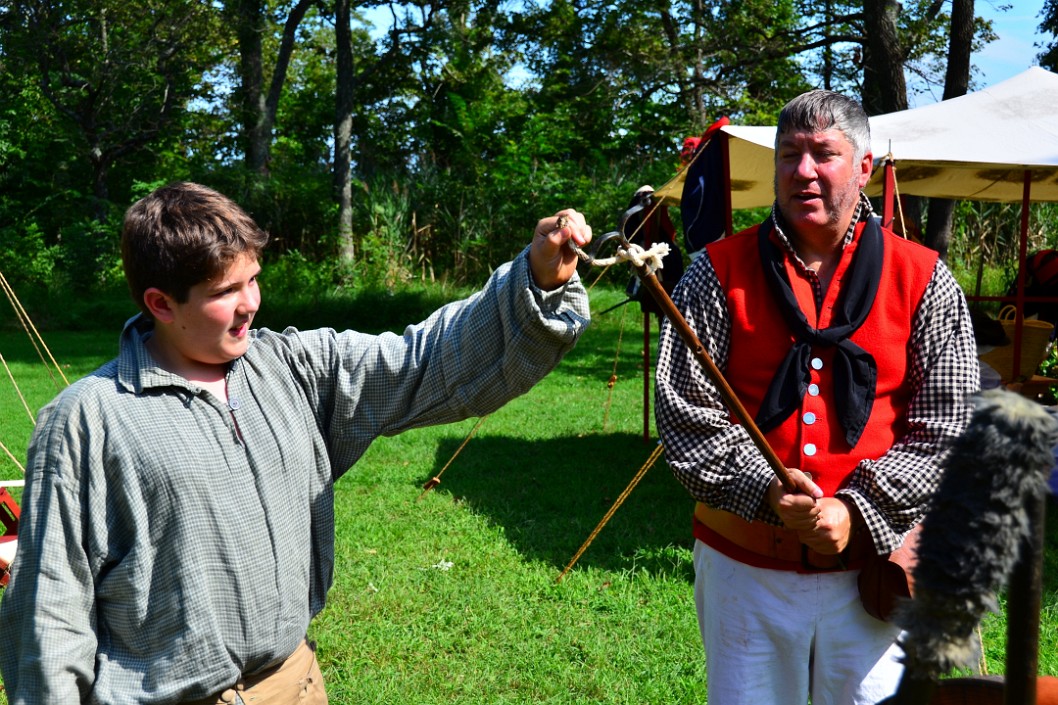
818	181
211	327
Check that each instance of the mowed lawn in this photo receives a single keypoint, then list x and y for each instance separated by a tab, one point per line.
451	596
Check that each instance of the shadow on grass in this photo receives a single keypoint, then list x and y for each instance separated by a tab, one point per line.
550	494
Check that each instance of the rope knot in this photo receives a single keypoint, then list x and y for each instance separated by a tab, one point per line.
635	254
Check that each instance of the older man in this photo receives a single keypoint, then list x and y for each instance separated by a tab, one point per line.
853	350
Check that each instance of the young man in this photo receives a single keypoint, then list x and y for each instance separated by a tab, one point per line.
177	531
853	351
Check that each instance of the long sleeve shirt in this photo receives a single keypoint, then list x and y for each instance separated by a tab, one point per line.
720	466
171	541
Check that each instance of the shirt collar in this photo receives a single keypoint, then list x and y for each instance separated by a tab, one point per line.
137	369
863	211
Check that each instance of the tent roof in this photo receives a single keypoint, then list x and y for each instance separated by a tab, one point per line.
751	149
974	147
978	146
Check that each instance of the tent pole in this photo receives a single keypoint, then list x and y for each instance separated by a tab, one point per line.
726	158
1023	252
888	193
646	376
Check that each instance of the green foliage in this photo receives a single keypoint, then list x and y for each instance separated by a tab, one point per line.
25	259
473	118
986	238
91	255
292	277
388	249
1048	15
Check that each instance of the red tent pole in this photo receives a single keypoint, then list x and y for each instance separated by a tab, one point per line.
646	376
1023	253
888	192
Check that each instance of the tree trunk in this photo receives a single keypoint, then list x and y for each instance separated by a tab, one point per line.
258	107
884	87
100	184
343	128
251	24
956	83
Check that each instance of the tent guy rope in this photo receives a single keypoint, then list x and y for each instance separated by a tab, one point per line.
31	330
41	348
613	509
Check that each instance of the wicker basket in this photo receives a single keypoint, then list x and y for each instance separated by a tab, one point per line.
1035	339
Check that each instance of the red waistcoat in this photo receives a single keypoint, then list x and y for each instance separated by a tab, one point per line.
811	438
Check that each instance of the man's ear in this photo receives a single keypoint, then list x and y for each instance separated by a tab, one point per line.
160	305
866	166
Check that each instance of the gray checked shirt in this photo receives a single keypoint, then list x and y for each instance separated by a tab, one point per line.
171	542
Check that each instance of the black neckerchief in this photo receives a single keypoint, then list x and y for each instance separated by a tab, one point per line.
855	372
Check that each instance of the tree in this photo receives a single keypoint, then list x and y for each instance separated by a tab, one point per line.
884	87
640	76
257	105
458	114
956	83
344	96
119	74
1048	58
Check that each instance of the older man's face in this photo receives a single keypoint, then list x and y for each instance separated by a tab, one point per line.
817	181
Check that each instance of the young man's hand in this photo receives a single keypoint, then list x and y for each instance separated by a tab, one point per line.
551	260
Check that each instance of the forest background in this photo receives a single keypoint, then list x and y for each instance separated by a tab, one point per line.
388	143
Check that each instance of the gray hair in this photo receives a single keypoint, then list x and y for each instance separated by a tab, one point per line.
819	110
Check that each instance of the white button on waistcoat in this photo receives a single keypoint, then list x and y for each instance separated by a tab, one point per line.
810	449
809	418
817	363
813	389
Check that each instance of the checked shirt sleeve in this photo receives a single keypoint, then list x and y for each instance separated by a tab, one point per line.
893	491
714	459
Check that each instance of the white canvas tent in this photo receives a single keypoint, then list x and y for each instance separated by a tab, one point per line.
974	147
977	146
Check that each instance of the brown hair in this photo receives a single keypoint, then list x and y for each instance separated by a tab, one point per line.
181	235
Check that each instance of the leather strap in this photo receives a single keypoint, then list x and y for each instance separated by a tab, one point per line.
772	547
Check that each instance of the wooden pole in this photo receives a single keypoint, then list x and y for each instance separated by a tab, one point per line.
668	308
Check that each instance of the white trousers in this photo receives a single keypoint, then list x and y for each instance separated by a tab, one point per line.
775	637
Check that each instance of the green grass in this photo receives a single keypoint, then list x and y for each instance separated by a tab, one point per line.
453	598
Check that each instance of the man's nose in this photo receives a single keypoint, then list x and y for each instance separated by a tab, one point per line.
806	166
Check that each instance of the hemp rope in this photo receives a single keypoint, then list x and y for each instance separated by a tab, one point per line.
27	324
606	264
436	479
13	458
896	196
18	390
34	337
633	253
620	500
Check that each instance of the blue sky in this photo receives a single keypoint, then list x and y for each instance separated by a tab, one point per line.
1013	52
1009	55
